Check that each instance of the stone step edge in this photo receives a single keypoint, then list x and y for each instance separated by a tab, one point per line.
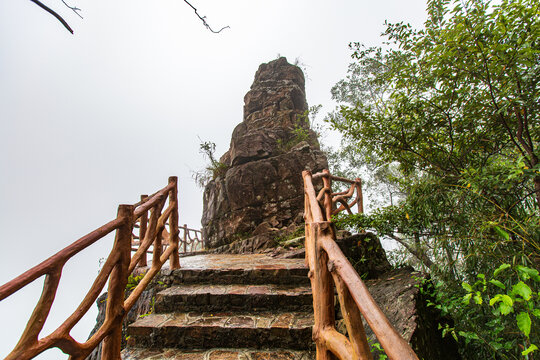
236	289
238	297
161	331
258	320
235	276
134	353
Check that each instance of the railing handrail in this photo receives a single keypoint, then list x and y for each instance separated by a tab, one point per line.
116	269
329	266
55	260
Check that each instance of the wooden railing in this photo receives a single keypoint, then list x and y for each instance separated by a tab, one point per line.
328	267
191	240
117	267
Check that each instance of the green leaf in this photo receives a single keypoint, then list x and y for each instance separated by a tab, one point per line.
467	286
468	335
501	268
528	273
501	233
524	323
536	312
522	290
496	345
529	350
478	298
505	309
498	284
495	299
507	300
467	298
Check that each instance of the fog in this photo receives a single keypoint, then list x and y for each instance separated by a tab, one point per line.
96	119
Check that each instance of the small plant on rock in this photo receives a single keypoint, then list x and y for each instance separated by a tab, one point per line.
215	169
133	281
300	131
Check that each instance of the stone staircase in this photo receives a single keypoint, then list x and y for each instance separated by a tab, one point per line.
249	307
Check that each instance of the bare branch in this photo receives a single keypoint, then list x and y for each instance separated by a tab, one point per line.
419	255
203	19
53	13
75	9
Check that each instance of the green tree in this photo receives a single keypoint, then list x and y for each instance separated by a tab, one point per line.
454	106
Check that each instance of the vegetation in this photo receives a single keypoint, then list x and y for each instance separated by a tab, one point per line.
215	169
300	131
285	238
449	117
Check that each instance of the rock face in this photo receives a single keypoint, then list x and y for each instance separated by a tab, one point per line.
262	188
401	294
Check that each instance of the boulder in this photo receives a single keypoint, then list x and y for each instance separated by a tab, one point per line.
262	188
402	296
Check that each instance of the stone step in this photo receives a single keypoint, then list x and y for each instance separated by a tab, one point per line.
208	298
216	354
290	330
237	269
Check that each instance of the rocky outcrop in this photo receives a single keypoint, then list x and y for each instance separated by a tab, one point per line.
402	296
262	189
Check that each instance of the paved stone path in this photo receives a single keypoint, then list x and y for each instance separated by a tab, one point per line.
243	262
216	354
249	307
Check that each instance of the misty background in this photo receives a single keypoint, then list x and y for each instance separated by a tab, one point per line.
95	119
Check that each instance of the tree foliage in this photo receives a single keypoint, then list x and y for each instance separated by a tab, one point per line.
454	107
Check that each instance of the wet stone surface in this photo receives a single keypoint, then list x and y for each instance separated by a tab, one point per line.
223	329
242	262
237	269
227	307
239	306
210	297
216	354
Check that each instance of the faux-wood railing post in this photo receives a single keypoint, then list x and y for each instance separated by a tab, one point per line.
323	291
142	231
174	259
328	195
185	237
35	324
358	184
117	284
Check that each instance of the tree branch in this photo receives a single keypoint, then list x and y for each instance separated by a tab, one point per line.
74	8
420	256
203	19
53	13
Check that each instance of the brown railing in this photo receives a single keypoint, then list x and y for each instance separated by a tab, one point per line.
328	267
116	269
191	240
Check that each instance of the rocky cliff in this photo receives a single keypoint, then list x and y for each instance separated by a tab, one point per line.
262	188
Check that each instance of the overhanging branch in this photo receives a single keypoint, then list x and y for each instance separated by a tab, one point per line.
203	19
53	13
76	10
419	255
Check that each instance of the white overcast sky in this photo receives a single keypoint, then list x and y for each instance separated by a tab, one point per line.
94	119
